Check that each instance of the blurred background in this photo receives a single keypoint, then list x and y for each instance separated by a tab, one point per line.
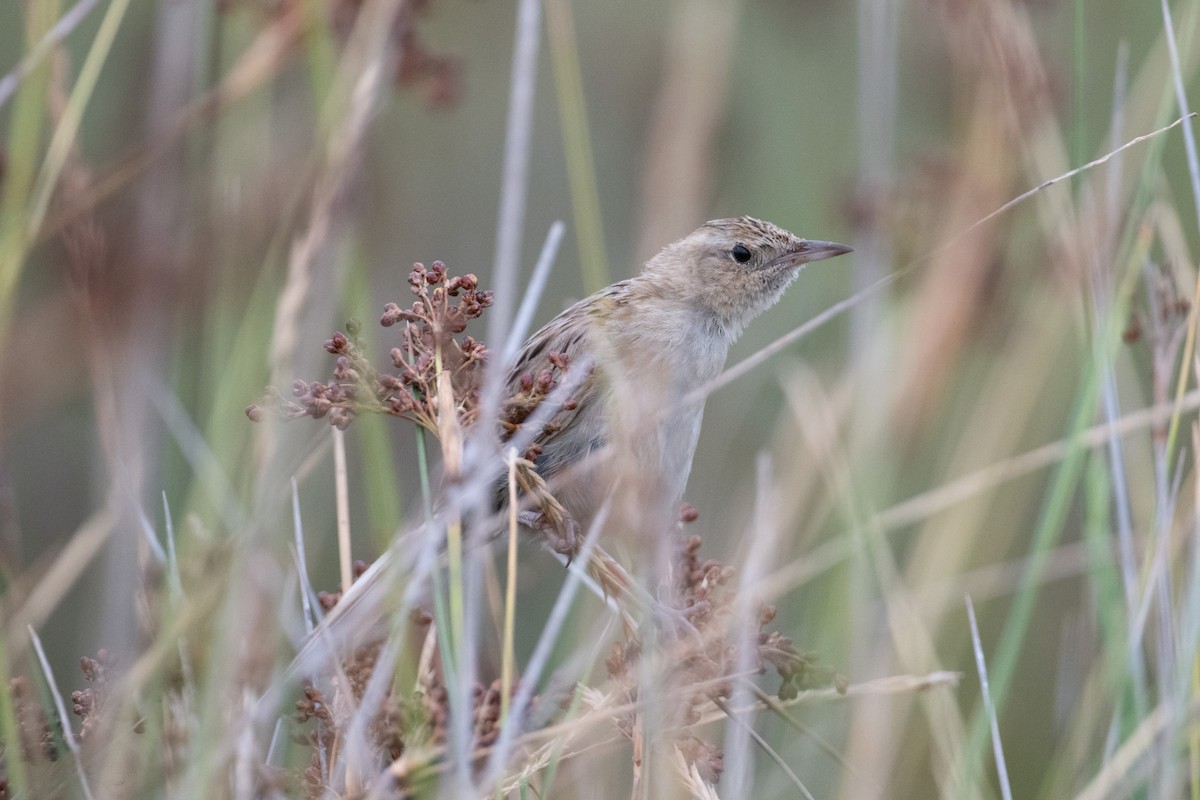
195	193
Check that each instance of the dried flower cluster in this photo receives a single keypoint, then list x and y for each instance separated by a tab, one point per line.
436	702
430	343
388	725
437	77
702	653
36	735
433	356
419	719
88	703
330	599
431	339
386	729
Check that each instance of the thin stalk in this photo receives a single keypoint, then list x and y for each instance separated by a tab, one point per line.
1049	529
1079	69
380	478
542	651
993	722
514	189
65	134
1194	737
1110	305
878	99
454	557
739	772
172	557
577	145
342	494
302	562
61	30
439	601
18	778
319	47
1189	137
572	710
511	215
533	292
757	738
1066	176
22	148
1189	683
510	592
63	719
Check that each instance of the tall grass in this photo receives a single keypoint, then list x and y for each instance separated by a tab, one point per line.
954	551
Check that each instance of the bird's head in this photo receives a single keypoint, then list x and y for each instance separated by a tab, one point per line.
735	268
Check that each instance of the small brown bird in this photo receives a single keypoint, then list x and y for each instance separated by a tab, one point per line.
650	343
642	348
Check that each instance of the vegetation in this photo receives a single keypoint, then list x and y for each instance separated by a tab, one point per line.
945	535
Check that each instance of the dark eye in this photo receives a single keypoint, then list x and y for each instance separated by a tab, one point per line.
740	253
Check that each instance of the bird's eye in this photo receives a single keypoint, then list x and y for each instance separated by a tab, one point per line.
740	253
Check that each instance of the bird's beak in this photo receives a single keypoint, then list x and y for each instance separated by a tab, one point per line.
815	251
810	250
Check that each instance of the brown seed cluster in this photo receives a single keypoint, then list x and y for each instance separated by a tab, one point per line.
708	603
388	724
700	655
33	726
88	704
323	737
402	721
436	703
386	730
430	341
436	77
431	331
330	599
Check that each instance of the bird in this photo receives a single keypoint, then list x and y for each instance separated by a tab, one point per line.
635	357
646	346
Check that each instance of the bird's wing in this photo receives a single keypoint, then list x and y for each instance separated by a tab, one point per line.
571	433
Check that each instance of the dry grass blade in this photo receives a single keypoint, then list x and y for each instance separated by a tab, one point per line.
353	101
533	293
750	362
688	778
762	550
1066	176
511	215
510	590
515	182
1180	85
981	666
925	505
341	485
1113	779
306	591
766	748
61	30
540	657
62	576
61	708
